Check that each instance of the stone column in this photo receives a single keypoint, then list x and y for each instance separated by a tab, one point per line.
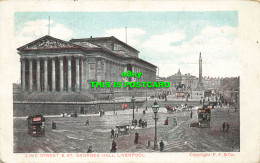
116	72
98	71
38	73
53	89
23	73
45	74
83	77
104	71
86	73
30	75
77	75
112	72
61	74
69	74
108	67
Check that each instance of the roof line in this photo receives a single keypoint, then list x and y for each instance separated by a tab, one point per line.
111	37
46	36
87	49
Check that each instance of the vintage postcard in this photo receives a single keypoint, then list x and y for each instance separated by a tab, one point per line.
124	81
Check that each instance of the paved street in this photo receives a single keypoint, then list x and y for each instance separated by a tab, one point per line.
72	136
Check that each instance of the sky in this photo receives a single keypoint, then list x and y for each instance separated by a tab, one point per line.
169	40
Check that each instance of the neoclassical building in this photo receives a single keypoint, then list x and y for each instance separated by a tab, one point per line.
49	64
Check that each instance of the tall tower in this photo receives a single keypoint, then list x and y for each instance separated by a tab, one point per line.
200	84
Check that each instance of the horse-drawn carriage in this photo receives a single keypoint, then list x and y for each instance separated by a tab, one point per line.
123	129
74	114
190	107
170	109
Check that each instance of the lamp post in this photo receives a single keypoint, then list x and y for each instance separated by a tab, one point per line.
155	108
133	101
114	103
146	101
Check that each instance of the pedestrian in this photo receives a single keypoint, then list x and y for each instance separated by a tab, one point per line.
143	112
161	146
140	121
90	150
166	121
116	132
149	144
223	126
114	146
227	127
175	121
53	125
87	122
136	137
190	114
112	133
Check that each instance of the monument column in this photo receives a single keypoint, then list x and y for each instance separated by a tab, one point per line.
77	75
30	74
69	74
53	89
38	73
45	75
61	74
23	73
200	85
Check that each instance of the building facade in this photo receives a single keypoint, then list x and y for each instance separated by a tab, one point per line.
49	64
183	82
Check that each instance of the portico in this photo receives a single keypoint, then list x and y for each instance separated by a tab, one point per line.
52	73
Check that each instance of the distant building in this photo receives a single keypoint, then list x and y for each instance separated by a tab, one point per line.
182	82
211	83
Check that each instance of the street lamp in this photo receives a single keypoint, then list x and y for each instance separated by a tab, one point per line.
133	101
155	108
146	101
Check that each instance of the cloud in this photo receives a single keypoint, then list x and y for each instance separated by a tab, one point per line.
133	35
167	68
35	29
162	42
218	46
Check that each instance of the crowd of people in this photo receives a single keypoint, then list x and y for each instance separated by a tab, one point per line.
142	123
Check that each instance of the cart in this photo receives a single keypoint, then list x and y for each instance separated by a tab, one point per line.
123	129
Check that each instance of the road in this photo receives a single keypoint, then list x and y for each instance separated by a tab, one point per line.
73	136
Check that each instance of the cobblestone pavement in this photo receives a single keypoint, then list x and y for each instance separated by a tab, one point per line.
73	136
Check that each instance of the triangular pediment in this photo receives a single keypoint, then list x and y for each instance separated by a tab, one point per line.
47	42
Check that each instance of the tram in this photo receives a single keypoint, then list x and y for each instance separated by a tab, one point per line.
204	116
36	125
